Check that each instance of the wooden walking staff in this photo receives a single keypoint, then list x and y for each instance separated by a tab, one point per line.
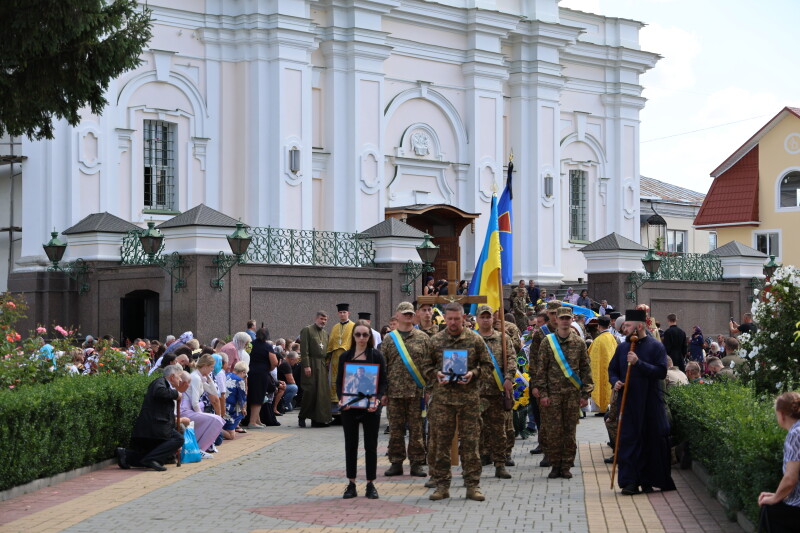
625	388
452	284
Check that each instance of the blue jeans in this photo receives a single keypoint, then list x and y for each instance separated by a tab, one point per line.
288	395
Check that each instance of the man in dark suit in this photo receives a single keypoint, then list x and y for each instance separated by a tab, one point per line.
674	340
155	439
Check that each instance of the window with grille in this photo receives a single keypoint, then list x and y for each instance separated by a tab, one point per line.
577	205
159	165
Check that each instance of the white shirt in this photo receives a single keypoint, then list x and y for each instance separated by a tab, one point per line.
376	338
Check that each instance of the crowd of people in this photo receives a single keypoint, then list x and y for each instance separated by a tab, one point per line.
431	366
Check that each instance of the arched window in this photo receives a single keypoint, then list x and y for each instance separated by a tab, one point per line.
790	190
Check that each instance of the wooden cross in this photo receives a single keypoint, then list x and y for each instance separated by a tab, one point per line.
452	285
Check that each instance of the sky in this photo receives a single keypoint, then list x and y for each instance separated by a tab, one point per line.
728	67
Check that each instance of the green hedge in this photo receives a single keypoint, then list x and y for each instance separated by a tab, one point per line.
66	424
734	436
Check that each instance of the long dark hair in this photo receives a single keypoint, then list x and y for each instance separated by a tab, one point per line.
370	338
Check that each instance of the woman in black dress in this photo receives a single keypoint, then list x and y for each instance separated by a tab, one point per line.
362	351
258	379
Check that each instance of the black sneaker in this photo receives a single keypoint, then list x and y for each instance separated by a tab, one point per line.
372	492
122	459
630	490
350	491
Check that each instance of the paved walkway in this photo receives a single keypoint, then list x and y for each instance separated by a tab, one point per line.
291	479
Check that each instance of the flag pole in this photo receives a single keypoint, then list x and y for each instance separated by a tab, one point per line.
502	311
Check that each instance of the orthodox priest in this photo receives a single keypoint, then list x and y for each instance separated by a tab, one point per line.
600	353
339	341
316	403
643	449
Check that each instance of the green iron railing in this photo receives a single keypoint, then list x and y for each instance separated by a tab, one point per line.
132	253
278	246
678	267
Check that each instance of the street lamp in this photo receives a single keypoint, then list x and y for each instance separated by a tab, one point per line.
770	267
151	240
427	253
651	262
77	270
239	242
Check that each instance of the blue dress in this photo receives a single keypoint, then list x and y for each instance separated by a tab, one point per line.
234	401
696	349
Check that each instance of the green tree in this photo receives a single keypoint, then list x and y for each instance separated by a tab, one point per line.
58	56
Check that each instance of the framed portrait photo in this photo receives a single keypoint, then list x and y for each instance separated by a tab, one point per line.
360	384
454	363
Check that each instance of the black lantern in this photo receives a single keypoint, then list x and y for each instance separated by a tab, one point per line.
427	250
239	240
770	267
54	249
651	262
151	239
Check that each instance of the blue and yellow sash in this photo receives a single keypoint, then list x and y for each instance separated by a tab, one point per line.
406	357
562	361
545	329
497	373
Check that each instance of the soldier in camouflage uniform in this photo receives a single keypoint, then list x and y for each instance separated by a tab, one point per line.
425	320
404	396
493	414
456	402
559	398
519	305
512	332
533	366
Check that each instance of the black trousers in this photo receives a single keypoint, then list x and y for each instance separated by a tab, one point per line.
779	518
351	418
157	450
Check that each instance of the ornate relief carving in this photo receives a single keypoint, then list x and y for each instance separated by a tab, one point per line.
419	142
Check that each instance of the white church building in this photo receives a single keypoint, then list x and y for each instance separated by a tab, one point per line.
336	115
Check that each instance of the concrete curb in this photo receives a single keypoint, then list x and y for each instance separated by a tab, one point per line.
703	475
41	483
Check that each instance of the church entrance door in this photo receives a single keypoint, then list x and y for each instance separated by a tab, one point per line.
139	315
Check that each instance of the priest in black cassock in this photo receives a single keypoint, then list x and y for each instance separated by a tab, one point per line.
644	448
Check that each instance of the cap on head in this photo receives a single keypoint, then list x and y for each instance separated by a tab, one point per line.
554	305
365	316
635	315
405	307
564	311
604	321
484	308
615	315
342	307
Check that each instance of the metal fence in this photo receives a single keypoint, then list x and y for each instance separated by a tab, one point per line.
278	246
690	267
131	251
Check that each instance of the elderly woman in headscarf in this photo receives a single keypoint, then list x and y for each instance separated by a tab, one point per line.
236	349
696	346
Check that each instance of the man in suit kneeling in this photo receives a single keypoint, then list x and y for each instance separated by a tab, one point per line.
155	439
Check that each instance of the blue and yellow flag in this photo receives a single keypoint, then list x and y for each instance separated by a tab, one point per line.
504	222
485	280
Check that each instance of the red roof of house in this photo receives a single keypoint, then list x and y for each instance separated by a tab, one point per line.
733	197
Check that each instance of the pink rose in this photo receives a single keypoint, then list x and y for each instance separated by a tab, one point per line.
11	305
61	330
41	331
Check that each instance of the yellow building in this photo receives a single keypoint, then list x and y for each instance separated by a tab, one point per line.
755	197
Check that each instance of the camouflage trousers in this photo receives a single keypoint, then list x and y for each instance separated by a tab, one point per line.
442	420
521	320
494	425
611	418
510	434
404	412
560	420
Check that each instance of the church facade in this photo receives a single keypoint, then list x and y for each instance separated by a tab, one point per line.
335	115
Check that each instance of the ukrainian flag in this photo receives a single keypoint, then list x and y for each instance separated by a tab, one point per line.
485	280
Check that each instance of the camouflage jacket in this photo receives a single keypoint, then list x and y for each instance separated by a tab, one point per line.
550	379
536	343
519	301
488	383
431	331
512	332
478	362
401	384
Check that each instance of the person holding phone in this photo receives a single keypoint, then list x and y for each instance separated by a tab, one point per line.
362	350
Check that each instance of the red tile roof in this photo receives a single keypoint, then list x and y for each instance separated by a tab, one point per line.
733	197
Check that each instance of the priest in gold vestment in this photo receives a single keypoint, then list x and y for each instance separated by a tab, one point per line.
339	340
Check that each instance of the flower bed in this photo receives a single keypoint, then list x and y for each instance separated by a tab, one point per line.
66	424
734	436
